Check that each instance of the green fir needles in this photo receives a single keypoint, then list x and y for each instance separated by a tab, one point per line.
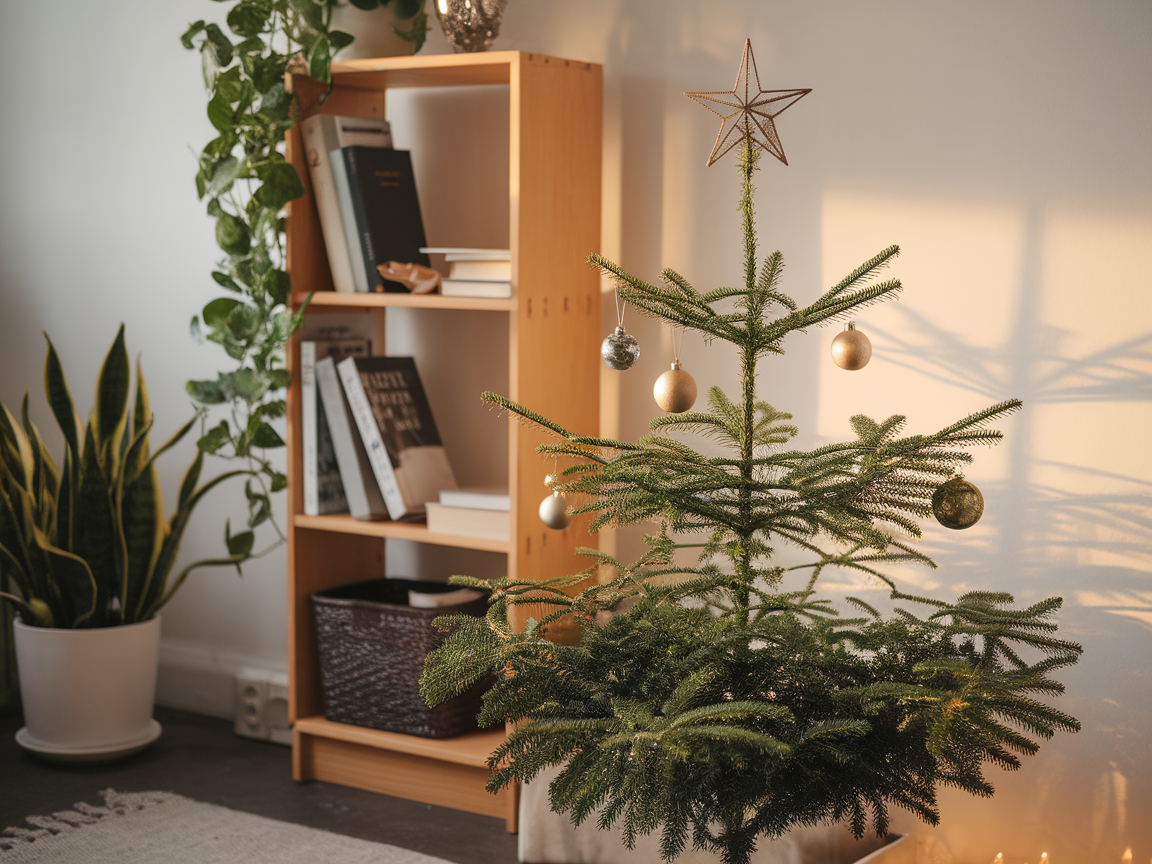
708	700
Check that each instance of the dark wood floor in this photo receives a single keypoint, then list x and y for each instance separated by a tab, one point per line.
200	757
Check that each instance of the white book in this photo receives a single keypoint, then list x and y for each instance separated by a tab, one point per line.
323	133
373	442
429	600
308	422
364	499
469	522
348	220
460	253
475	288
483	271
477	498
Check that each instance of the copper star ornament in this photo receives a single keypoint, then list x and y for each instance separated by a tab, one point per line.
750	114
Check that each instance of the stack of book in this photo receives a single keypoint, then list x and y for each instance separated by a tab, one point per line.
366	199
472	513
475	272
386	452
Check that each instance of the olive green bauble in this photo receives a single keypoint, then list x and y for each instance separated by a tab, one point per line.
957	504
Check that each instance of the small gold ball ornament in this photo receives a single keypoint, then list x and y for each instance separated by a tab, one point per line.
675	390
554	512
957	504
851	349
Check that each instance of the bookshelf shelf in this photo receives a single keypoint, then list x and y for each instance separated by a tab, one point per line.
551	346
414	531
352	302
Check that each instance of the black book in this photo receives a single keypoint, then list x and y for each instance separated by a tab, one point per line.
387	210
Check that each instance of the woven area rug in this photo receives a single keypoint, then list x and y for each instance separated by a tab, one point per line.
162	828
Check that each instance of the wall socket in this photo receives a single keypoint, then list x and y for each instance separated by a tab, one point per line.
261	705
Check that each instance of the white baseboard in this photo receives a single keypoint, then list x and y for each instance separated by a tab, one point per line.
199	679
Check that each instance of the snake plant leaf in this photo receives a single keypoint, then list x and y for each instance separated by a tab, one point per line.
157	597
13	553
142	410
191	478
142	514
110	411
65	499
95	535
60	401
24	462
38	478
174	440
79	592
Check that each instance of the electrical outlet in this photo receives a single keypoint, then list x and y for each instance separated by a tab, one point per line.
261	706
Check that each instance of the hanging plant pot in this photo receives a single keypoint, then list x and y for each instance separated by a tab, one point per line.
88	694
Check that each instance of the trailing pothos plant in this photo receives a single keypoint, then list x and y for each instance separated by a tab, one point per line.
247	182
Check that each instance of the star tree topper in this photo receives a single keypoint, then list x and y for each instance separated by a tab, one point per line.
752	113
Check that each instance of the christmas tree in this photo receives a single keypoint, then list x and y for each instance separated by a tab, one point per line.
719	701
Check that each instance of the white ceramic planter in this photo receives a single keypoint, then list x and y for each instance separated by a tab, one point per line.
88	694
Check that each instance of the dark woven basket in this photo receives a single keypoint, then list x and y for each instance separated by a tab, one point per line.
372	647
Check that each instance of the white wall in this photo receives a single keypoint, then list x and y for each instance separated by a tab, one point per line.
1004	146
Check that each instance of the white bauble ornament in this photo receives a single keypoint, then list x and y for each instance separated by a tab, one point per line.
851	349
554	512
675	390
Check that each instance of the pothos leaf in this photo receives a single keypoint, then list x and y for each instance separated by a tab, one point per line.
280	184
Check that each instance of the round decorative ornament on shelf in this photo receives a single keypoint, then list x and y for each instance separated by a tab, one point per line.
620	350
957	504
554	512
470	25
675	390
851	349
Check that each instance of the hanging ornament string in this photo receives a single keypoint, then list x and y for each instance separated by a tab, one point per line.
619	350
677	345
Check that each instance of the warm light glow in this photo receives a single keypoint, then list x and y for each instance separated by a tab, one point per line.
443	6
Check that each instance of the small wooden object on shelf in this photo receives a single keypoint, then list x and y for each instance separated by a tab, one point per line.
553	367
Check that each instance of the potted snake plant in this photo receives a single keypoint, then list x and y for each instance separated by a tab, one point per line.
89	550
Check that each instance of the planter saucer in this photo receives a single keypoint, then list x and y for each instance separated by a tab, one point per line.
87	755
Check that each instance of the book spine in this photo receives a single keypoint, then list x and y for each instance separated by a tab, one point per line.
370	435
360	215
309	431
336	412
327	204
348	220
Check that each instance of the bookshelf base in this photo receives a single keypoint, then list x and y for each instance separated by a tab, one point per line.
449	772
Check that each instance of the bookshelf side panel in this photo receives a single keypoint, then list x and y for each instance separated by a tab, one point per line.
556	107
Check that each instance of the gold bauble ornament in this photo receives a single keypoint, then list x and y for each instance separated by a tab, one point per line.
675	390
851	349
957	504
554	512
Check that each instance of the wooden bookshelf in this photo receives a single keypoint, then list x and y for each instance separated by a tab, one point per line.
552	350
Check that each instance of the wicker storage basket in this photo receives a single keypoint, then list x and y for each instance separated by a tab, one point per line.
372	646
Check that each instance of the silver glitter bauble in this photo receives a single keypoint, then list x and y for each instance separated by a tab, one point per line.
620	351
675	390
554	512
957	504
470	25
851	349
